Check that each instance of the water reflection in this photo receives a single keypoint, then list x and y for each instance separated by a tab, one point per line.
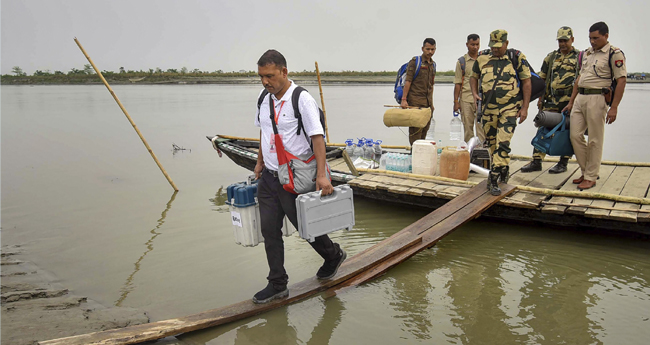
219	200
276	326
128	284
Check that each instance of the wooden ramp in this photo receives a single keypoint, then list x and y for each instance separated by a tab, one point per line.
362	267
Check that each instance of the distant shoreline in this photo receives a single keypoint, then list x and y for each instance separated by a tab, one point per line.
193	80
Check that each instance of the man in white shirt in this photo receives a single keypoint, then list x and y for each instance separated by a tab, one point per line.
274	201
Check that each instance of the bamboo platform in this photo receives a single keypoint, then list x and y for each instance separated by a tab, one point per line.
625	181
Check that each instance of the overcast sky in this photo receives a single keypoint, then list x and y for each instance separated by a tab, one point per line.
339	34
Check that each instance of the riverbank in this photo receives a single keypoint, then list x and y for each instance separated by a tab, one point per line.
193	80
36	307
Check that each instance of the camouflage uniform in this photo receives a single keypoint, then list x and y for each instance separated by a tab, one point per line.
563	73
500	114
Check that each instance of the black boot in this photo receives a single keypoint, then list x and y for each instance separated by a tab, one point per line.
560	167
504	176
535	165
493	183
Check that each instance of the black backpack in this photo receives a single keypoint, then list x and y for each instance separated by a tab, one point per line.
537	85
294	100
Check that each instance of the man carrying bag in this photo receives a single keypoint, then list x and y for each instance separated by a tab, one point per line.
282	129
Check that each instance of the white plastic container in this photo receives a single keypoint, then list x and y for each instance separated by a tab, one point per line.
425	157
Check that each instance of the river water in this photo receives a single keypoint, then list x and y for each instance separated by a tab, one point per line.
83	197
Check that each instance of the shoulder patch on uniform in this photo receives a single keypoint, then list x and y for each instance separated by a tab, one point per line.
619	63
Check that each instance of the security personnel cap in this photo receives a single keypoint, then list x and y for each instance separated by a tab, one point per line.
498	38
564	33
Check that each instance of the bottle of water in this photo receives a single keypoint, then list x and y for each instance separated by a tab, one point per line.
389	161
456	129
383	162
358	150
432	130
349	148
377	148
409	160
439	148
368	150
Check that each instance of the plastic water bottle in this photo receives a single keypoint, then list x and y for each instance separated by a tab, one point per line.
358	150
389	161
409	159
383	162
349	148
432	130
456	127
378	155
368	150
439	148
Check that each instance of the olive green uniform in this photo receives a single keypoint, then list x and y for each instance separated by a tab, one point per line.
500	111
562	73
421	93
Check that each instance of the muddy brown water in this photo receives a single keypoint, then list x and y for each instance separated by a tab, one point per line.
84	199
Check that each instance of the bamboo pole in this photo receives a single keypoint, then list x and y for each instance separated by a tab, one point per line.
557	159
328	144
592	206
322	101
127	116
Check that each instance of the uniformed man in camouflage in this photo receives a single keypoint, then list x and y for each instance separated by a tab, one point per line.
593	103
418	91
559	65
502	101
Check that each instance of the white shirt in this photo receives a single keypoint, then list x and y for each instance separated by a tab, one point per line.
288	125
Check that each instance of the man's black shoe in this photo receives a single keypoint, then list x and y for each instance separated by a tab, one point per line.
560	167
329	268
535	165
270	293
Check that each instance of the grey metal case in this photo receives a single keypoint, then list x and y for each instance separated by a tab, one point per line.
318	215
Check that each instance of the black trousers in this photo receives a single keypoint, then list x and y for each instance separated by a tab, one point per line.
275	203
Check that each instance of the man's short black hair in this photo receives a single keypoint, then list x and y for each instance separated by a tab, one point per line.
472	37
274	57
601	27
429	40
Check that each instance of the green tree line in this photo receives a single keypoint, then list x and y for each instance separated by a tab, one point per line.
87	75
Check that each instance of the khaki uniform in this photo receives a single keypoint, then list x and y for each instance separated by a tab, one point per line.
467	103
563	74
590	110
420	94
500	115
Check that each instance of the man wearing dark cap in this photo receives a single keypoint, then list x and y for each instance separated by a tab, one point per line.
560	65
502	101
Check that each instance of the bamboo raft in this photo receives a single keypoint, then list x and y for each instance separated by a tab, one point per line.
618	202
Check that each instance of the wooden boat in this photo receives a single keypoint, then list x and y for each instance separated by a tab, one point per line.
619	202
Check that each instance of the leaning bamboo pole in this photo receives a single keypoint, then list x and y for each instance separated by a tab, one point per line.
322	101
144	141
557	159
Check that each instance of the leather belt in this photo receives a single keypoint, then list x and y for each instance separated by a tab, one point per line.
272	172
584	91
562	92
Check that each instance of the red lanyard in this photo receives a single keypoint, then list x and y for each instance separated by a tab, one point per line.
277	113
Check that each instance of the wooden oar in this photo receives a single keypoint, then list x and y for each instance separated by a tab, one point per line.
144	141
322	101
399	106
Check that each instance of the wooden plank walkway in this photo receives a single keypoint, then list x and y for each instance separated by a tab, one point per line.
366	265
